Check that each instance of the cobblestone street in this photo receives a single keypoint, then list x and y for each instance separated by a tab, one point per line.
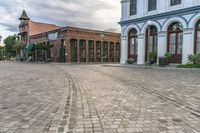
66	98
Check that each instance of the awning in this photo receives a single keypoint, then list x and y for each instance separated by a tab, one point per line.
30	48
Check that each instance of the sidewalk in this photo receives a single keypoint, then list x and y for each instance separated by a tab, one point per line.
154	66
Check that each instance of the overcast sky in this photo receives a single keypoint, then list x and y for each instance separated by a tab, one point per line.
95	14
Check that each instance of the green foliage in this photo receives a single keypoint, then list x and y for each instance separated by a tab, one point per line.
194	58
9	43
168	55
194	62
41	46
130	61
18	46
152	56
189	66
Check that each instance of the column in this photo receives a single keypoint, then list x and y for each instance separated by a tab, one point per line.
124	50
141	49
188	44
162	44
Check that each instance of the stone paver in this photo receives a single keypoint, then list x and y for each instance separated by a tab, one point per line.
65	98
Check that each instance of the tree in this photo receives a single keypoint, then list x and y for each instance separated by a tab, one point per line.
10	41
18	47
1	52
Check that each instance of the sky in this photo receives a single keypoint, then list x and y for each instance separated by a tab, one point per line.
92	14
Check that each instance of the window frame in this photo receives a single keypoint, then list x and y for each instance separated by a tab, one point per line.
174	4
133	11
149	5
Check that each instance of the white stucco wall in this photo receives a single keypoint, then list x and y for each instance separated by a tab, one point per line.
162	7
187	19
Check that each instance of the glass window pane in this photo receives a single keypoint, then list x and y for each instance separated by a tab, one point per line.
152	5
155	43
172	42
132	44
180	43
136	46
151	44
133	7
198	43
175	2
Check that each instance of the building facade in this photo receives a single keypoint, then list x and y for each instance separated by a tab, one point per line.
159	26
80	45
68	44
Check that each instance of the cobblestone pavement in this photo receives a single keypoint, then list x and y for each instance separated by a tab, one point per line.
97	99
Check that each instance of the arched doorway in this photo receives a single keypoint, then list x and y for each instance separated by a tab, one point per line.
62	51
117	52
175	42
112	53
133	44
82	51
73	50
105	51
197	38
98	51
151	43
91	50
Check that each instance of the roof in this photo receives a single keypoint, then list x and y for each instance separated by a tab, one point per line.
24	16
37	28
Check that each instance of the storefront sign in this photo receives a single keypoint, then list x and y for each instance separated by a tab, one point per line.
53	36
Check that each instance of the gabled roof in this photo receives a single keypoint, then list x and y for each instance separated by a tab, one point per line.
24	16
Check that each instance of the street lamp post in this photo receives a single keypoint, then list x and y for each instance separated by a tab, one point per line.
149	23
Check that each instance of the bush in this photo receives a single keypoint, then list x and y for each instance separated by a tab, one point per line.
189	66
130	61
168	55
152	57
194	58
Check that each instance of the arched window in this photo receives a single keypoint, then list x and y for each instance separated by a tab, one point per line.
175	41
117	52
98	51
91	51
197	38
112	53
82	50
73	50
132	44
105	51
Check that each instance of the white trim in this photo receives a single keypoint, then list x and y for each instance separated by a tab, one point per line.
127	29
193	21
154	23
174	19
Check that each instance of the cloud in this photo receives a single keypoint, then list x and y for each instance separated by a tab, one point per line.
95	14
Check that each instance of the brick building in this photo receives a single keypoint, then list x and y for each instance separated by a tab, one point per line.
68	44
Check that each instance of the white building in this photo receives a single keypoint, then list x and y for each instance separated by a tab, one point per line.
174	27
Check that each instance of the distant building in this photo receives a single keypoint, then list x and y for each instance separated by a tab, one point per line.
160	26
69	44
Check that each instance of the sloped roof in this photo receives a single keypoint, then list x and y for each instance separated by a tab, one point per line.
37	27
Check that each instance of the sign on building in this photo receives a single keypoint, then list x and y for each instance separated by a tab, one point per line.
53	36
